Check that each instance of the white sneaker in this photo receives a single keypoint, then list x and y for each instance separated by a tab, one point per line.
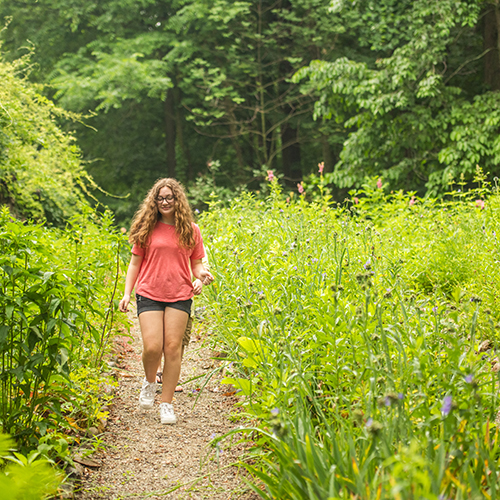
167	414
147	396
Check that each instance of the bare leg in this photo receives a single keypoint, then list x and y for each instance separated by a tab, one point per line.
175	322
152	340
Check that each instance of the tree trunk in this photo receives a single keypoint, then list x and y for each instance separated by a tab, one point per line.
290	153
492	41
170	133
233	131
327	154
179	123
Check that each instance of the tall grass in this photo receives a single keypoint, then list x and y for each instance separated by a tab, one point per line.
352	333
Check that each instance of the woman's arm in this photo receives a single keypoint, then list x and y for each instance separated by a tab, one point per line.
132	273
199	271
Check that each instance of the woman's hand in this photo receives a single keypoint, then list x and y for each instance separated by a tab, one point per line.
124	303
205	276
199	271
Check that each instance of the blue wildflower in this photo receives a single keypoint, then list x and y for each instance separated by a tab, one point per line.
447	405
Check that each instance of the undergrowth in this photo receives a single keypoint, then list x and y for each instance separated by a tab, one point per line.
353	331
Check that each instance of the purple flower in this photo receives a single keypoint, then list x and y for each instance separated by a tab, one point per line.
469	379
275	411
401	395
447	404
295	267
213	436
387	401
369	422
281	210
435	309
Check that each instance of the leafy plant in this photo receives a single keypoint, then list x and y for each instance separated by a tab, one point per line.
352	335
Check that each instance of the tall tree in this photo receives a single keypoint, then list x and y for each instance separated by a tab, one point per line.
420	114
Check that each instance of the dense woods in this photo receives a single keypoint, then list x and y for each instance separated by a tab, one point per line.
216	92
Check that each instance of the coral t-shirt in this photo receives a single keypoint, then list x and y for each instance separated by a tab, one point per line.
165	273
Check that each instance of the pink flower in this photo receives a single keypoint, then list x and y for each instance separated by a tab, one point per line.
123	230
480	204
412	201
356	200
379	183
270	175
288	199
300	187
321	166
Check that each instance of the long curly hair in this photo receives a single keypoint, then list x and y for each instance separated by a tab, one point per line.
148	215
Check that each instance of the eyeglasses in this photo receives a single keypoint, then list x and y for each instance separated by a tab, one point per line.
169	198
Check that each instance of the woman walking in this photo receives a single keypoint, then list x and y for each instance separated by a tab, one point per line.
167	249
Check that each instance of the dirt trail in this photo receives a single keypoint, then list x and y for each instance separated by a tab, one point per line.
144	459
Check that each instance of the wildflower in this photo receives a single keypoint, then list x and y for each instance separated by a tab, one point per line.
412	201
281	210
210	163
401	396
447	405
435	309
300	187
275	411
356	200
270	175
196	211
368	265
321	166
123	230
288	199
373	426
480	204
213	436
469	379
379	183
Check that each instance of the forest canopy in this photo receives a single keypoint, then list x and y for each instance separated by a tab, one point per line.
41	175
217	92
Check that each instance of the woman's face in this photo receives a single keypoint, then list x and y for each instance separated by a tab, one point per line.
165	201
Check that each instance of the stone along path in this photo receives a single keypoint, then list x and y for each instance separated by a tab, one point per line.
144	459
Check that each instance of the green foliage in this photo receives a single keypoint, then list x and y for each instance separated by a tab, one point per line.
25	478
420	113
41	176
352	334
56	316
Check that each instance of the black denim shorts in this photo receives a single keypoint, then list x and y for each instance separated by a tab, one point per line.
145	304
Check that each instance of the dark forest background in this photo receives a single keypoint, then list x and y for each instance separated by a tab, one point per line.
217	92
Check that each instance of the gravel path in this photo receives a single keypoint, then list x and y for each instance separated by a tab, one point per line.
144	459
